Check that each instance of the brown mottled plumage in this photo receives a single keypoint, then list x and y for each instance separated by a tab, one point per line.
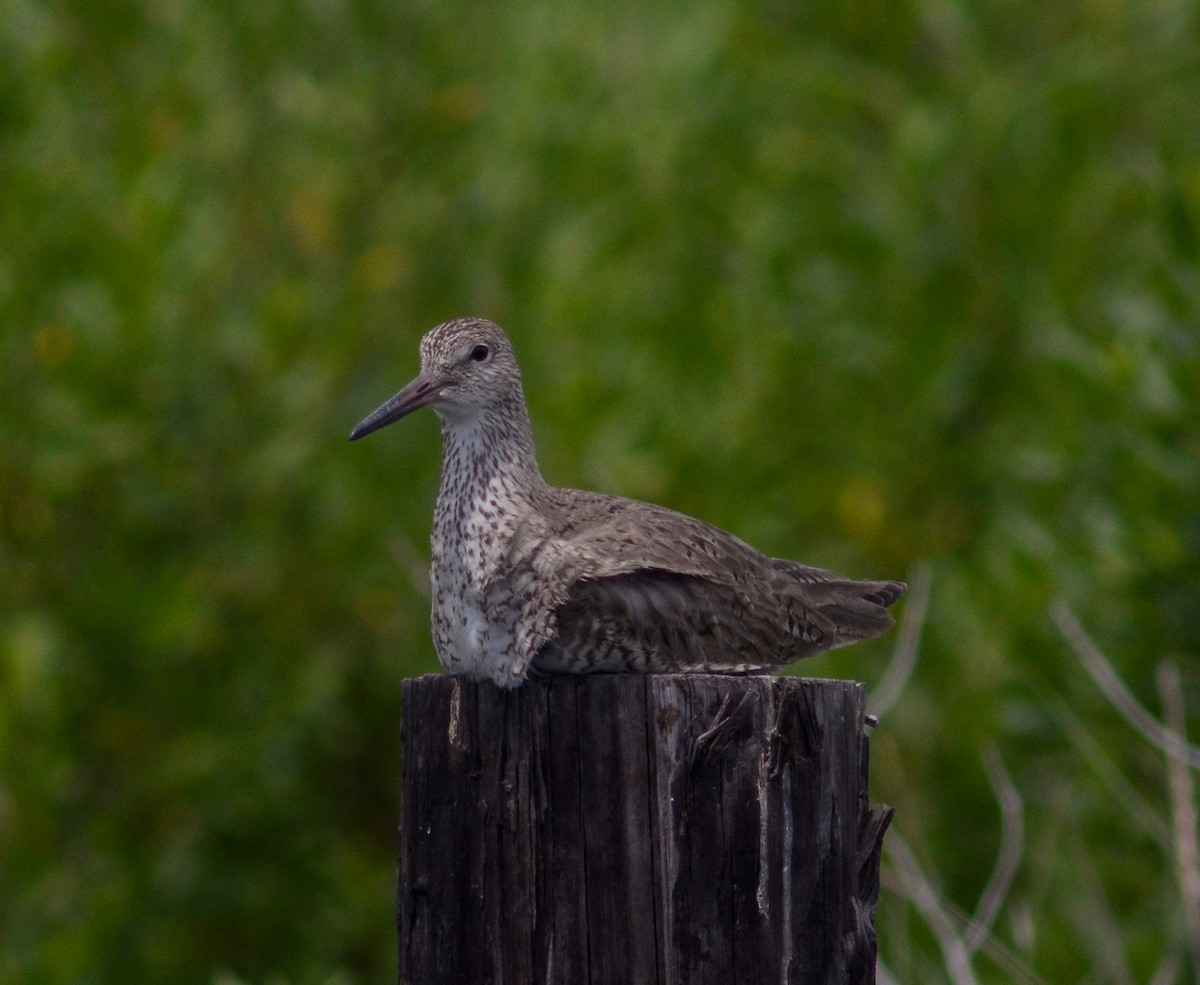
526	575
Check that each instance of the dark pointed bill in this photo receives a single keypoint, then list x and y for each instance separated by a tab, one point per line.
418	393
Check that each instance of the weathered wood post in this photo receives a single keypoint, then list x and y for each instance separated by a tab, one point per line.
637	830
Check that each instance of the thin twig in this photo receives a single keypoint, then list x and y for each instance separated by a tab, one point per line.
908	643
883	975
924	897
1012	841
1167	971
1183	810
991	948
1118	694
1096	918
1122	791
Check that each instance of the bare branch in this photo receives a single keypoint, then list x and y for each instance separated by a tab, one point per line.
904	657
1167	971
955	955
1123	792
991	947
1012	841
1118	694
1095	918
1183	809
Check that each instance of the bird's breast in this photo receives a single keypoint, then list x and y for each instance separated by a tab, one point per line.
471	616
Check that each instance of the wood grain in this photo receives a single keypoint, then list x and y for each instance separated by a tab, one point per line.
627	828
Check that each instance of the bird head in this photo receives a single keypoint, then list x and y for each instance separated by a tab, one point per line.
467	366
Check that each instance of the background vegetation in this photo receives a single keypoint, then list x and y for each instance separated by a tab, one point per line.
887	287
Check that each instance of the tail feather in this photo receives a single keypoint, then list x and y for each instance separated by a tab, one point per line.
857	609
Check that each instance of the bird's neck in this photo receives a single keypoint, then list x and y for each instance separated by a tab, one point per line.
493	450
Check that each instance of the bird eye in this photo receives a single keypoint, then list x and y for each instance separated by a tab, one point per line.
481	353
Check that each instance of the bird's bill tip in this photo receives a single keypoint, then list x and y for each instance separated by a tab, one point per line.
389	413
419	393
362	429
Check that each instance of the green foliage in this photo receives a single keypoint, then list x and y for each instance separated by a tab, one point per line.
866	284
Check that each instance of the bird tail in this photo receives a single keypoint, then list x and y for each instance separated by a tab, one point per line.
856	609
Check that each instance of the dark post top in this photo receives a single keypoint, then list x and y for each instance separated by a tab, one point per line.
637	830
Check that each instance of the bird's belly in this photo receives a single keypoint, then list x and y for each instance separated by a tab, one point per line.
460	629
472	635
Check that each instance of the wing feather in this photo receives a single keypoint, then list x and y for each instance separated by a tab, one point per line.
633	586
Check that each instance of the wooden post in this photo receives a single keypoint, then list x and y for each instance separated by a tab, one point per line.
637	830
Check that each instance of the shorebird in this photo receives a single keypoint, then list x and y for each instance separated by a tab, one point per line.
527	576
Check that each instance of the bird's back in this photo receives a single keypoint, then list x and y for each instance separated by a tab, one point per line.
648	588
